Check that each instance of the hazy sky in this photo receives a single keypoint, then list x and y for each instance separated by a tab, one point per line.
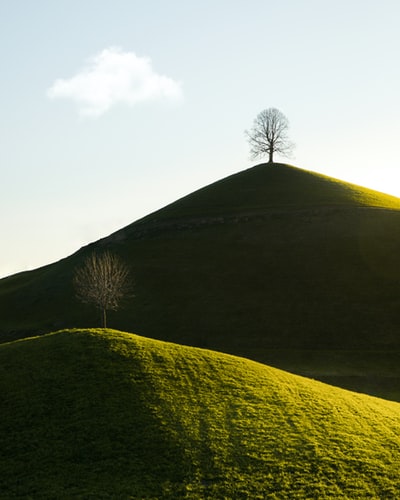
112	109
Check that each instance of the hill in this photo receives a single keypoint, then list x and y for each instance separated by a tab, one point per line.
103	414
275	263
267	186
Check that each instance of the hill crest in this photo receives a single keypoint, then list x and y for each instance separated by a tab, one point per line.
277	186
264	189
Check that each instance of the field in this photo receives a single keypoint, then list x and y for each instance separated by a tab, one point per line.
104	414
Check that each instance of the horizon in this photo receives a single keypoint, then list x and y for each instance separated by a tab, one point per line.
144	105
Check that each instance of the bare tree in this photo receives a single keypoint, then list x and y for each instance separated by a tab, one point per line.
269	135
103	281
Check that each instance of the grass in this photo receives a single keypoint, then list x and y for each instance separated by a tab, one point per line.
273	263
272	186
104	414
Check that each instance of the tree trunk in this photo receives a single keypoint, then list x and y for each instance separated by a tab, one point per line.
271	154
104	318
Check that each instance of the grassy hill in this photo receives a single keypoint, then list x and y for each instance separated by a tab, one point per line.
104	414
277	264
267	186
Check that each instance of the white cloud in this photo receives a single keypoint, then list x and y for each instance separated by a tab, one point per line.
112	77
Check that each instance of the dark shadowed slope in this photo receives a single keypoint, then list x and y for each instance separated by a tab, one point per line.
274	263
103	414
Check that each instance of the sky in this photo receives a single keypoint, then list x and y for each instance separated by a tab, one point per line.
110	110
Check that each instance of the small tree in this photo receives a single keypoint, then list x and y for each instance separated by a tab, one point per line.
102	281
269	135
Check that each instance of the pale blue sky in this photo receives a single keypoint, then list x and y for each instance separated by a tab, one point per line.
77	165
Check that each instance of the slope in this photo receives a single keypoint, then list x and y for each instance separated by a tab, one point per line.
103	414
274	263
267	186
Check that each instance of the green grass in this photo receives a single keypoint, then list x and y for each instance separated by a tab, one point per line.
104	414
272	186
269	260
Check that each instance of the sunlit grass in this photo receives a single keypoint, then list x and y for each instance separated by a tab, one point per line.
273	258
103	414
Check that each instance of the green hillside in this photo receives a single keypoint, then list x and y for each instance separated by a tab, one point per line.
275	263
269	186
103	414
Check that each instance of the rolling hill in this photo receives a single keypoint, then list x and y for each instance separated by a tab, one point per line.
104	414
275	263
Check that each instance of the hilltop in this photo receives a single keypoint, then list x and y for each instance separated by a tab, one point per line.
275	263
101	414
268	186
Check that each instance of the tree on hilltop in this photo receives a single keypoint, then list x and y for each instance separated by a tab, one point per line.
269	135
103	281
